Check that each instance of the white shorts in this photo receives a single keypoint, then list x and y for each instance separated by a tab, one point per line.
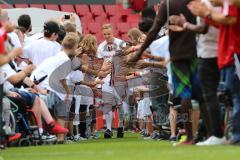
144	108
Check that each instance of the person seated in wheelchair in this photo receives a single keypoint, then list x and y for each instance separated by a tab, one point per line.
14	81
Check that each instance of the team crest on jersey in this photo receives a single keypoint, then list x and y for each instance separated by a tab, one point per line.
110	47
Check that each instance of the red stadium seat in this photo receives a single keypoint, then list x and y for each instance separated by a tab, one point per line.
133	18
123	28
37	6
111	10
96	10
116	19
21	5
116	33
84	28
87	18
67	8
99	37
4	6
102	19
125	13
134	25
52	7
82	10
94	28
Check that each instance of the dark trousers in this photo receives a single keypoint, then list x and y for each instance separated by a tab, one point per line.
210	76
82	125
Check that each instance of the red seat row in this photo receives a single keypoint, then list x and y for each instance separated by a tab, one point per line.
120	28
114	13
93	16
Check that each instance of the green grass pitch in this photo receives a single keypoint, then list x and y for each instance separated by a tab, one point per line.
132	147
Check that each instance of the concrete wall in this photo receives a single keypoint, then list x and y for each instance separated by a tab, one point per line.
61	1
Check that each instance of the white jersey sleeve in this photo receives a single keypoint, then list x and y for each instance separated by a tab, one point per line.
7	72
27	52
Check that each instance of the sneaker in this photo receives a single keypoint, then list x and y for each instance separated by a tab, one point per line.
55	128
48	137
163	136
173	139
108	134
94	136
212	141
147	137
143	132
78	138
183	139
69	137
45	137
120	133
15	137
155	135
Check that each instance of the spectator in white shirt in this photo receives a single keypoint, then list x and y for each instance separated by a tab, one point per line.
56	71
45	47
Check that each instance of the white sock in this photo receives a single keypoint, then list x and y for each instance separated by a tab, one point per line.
40	131
108	118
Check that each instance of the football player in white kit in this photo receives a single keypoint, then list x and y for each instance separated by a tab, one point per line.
106	51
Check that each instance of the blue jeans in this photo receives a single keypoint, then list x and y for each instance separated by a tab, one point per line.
232	83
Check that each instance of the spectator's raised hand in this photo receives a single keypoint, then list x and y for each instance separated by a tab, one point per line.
72	19
177	20
176	28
